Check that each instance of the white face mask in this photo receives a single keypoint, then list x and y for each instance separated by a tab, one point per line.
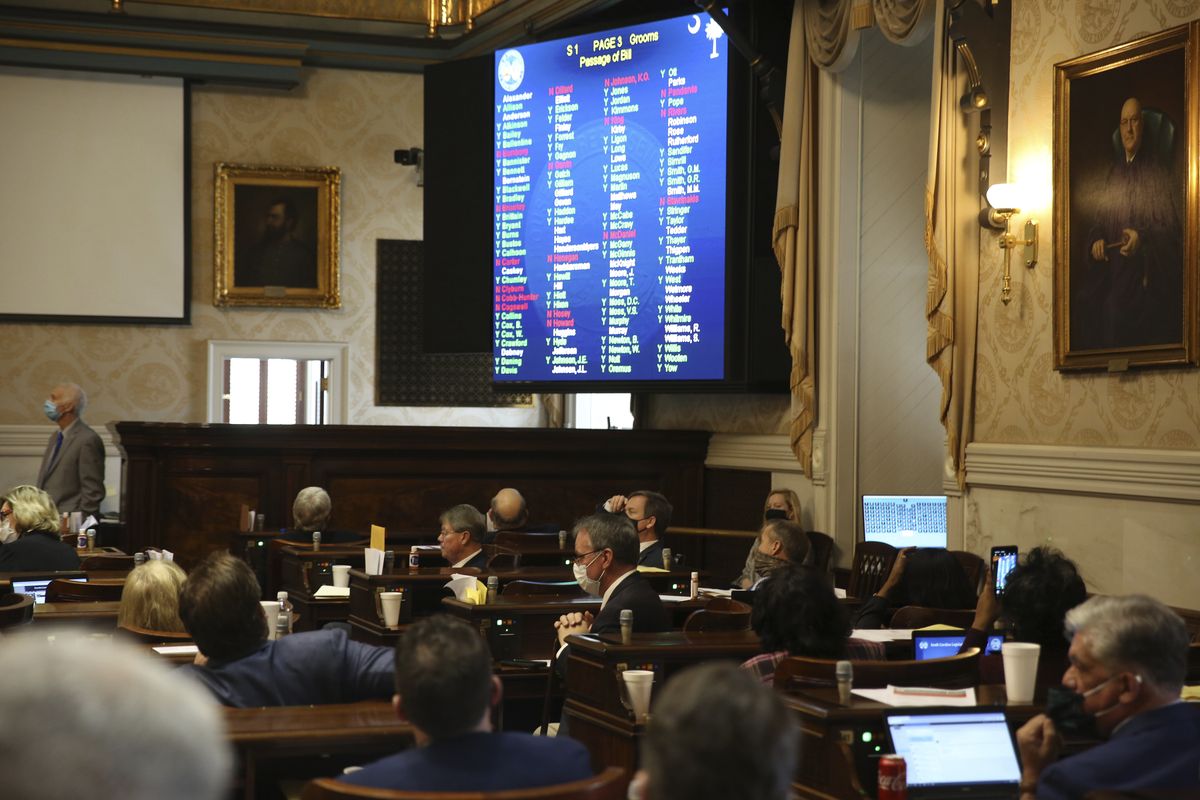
589	585
7	534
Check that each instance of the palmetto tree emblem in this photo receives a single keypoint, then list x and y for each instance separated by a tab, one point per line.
713	31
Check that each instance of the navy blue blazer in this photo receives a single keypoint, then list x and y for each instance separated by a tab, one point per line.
479	762
478	561
636	594
312	668
1157	749
652	555
36	551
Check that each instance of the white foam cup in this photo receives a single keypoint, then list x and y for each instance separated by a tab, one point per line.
1020	670
341	575
638	683
271	612
391	608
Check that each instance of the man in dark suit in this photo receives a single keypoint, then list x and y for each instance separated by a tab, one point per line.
445	688
461	537
650	513
1128	662
220	607
606	549
507	512
72	470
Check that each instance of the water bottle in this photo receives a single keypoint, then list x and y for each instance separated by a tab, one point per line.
283	620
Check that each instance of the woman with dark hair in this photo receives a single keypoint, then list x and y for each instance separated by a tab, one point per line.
1039	593
925	576
796	614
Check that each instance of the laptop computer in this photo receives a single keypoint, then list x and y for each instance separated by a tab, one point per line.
946	643
904	520
28	583
965	753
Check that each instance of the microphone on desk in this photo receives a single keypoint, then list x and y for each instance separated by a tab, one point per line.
845	680
626	625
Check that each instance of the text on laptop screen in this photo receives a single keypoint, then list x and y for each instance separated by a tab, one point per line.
37	587
932	645
970	748
904	521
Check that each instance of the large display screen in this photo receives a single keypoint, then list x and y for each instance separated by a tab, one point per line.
609	255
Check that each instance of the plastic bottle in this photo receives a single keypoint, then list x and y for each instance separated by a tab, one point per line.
283	619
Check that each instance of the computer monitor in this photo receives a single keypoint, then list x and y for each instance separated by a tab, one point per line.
946	643
36	585
960	753
904	520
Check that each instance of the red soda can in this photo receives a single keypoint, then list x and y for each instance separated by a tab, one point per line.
893	778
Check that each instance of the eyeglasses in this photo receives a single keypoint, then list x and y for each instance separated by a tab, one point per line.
576	560
444	534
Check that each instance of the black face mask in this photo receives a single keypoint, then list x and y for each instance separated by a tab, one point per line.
775	513
1065	709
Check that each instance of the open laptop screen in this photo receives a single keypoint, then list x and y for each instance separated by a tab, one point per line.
37	587
944	750
943	644
904	520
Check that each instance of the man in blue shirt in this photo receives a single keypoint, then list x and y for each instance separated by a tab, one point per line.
219	605
445	688
1128	660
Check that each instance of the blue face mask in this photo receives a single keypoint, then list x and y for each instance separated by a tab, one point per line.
51	410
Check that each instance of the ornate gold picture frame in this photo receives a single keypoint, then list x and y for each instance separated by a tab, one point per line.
277	236
1125	205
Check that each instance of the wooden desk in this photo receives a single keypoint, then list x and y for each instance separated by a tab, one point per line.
304	571
593	706
363	732
99	615
523	627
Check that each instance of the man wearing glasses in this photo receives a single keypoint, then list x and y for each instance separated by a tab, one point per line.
461	537
606	550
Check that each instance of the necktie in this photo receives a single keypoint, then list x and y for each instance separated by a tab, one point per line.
57	445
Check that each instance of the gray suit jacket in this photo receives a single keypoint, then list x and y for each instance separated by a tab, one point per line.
75	478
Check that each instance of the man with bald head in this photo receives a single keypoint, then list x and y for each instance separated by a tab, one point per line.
1126	289
507	513
72	469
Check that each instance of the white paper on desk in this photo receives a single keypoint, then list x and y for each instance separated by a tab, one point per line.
177	650
889	697
882	635
840	594
461	585
426	548
88	523
715	592
373	561
329	590
674	598
168	555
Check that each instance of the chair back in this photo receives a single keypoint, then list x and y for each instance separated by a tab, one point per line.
610	784
542	588
15	609
61	590
922	616
973	566
872	563
721	614
820	547
107	562
501	557
515	540
153	637
797	672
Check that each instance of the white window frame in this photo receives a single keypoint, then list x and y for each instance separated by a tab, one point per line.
336	353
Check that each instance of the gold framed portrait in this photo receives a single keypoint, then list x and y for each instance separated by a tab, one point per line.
1125	205
277	236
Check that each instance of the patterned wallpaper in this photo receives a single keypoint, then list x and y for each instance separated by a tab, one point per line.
1020	398
352	120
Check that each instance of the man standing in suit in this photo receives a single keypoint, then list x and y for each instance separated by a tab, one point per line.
72	469
461	537
1129	658
445	688
606	549
650	513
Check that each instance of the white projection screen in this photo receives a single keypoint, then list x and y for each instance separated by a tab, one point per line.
93	205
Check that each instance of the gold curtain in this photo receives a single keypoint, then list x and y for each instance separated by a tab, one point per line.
553	410
905	22
952	240
793	236
831	39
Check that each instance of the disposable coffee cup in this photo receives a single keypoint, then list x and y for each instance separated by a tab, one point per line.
271	612
391	608
1020	670
341	575
638	683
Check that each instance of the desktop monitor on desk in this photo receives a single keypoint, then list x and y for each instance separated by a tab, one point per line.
36	584
904	520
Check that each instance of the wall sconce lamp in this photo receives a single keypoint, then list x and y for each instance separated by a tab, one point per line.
1004	199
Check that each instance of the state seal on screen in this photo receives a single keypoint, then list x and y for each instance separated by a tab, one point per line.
511	70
